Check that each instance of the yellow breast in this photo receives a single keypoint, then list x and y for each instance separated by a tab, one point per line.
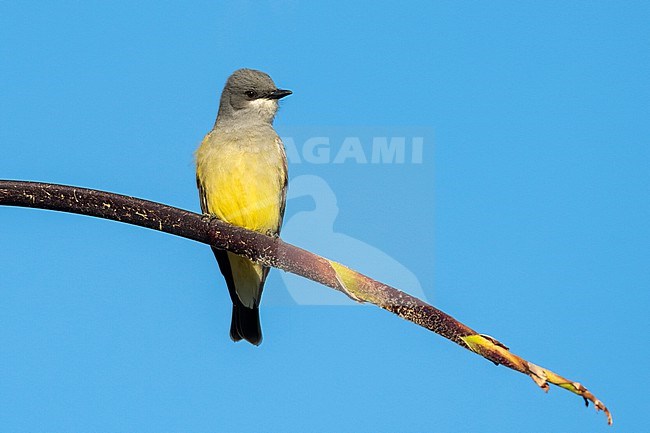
243	178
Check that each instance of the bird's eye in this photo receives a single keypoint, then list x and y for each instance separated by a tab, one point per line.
251	94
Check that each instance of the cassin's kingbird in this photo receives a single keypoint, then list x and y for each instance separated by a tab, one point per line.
241	173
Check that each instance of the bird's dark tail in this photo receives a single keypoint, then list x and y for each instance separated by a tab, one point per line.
245	324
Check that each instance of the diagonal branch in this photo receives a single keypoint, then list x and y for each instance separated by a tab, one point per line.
274	252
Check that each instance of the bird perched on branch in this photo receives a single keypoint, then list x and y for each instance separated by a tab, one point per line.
241	174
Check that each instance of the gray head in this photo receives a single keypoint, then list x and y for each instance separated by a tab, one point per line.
249	97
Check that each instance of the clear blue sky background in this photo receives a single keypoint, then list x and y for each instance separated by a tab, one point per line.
527	218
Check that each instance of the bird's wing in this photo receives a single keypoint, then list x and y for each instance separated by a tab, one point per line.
202	197
283	192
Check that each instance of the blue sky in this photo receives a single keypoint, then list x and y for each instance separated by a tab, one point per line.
526	216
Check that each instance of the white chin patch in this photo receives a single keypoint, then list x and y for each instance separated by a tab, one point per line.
266	107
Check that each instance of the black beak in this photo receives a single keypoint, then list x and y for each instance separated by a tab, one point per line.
279	93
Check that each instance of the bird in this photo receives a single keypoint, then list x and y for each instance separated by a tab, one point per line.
241	175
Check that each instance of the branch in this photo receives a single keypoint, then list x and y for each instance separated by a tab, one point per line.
274	252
